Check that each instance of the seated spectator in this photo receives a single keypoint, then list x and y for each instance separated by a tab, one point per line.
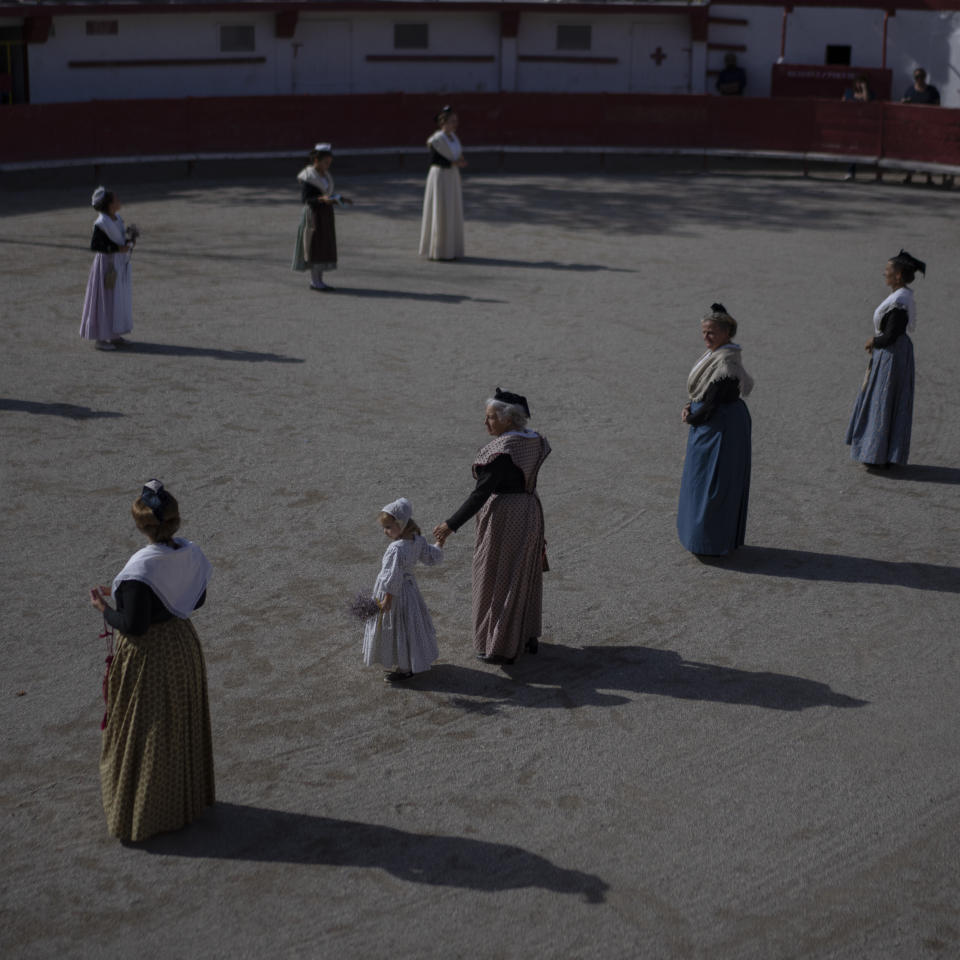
732	79
920	91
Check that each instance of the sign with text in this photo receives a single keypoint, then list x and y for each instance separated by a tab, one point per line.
806	80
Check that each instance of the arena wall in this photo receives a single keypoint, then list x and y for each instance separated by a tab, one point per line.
108	130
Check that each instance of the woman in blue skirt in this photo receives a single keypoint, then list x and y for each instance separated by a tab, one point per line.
715	489
879	431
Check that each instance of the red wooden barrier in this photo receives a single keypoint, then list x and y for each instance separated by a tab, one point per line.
67	131
809	80
921	133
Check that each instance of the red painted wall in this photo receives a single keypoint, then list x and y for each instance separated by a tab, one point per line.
804	80
210	125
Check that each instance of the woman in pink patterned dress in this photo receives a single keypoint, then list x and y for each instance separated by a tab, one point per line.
508	558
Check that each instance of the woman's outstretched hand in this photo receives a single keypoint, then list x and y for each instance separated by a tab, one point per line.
441	531
96	598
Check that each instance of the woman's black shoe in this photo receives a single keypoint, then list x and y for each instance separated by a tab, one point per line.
533	645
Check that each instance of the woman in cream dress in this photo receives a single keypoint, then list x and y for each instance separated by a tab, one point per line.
441	234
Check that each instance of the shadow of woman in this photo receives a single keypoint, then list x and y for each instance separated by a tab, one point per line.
70	410
176	350
232	831
377	294
920	473
566	677
541	265
807	565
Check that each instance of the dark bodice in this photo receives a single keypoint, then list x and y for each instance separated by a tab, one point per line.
724	390
101	243
138	608
501	475
893	325
439	160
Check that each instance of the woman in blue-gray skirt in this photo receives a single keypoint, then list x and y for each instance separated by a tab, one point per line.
879	431
715	488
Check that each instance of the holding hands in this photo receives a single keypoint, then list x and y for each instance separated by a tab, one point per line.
441	531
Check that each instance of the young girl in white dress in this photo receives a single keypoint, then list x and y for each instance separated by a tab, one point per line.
401	636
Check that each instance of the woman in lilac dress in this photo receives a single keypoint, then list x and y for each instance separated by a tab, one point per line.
108	304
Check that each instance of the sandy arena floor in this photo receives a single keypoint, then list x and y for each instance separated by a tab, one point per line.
750	759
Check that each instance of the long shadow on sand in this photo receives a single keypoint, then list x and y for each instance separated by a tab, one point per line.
71	410
540	265
807	565
176	350
920	473
408	295
561	676
232	831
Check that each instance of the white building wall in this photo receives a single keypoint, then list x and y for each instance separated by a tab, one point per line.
811	29
538	37
328	53
928	39
467	33
761	37
150	37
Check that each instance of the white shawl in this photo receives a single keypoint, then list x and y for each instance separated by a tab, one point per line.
323	182
113	227
447	145
902	298
177	577
715	365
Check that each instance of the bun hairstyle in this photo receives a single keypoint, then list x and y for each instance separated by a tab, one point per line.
444	115
908	266
156	512
718	314
101	199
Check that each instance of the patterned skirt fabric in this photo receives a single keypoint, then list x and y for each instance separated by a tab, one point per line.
882	420
507	574
715	488
156	762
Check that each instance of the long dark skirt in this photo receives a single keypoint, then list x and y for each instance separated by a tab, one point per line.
507	574
715	489
156	761
316	239
882	420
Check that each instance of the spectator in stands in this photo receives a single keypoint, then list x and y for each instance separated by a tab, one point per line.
925	94
732	79
921	91
860	92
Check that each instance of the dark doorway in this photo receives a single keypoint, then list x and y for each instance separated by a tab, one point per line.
13	66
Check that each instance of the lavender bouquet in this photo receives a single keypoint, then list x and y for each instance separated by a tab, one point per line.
364	607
